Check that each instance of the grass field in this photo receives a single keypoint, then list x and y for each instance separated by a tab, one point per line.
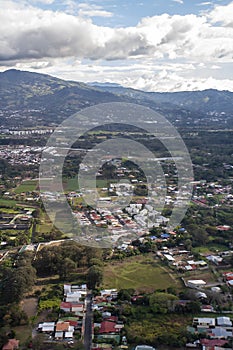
27	186
73	185
23	333
7	203
44	224
141	273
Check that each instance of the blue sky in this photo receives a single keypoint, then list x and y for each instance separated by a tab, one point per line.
129	13
155	45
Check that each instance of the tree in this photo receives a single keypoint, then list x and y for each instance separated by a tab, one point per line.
94	277
97	262
162	302
38	342
66	267
16	283
124	294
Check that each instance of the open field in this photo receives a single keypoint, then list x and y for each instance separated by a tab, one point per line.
7	203
27	186
143	273
73	185
23	333
206	275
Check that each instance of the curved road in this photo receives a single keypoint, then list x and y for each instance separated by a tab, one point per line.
88	323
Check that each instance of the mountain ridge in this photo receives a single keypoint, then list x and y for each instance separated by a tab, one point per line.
29	98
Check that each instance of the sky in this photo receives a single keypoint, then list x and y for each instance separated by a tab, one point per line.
159	45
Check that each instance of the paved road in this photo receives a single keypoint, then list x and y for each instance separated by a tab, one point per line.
88	323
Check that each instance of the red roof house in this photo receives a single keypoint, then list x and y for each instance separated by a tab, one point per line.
12	344
107	327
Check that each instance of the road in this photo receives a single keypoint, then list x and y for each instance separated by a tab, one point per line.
88	323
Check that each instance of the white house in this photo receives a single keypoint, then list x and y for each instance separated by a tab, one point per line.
204	321
196	283
46	327
224	321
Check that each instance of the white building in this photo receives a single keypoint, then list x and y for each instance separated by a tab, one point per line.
196	283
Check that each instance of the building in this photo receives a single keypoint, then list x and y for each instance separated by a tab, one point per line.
224	321
204	321
196	284
144	347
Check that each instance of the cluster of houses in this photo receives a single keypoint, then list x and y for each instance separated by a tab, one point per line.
181	258
215	332
72	312
119	224
184	260
108	330
205	193
228	278
21	155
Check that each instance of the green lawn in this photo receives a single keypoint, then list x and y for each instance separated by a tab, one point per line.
7	203
27	186
70	184
141	273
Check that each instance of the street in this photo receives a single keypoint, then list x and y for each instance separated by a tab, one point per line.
88	323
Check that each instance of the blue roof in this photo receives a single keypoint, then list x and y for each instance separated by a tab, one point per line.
165	235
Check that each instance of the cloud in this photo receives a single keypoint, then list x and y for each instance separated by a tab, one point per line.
178	1
84	9
92	10
207	3
45	2
47	40
222	14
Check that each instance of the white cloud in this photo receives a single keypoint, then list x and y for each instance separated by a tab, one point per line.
222	14
48	41
46	2
178	1
207	3
84	9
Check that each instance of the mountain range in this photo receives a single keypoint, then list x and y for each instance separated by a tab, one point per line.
29	99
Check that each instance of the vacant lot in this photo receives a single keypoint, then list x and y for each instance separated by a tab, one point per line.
27	186
142	273
29	306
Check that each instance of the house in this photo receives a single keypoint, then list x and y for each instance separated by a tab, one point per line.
212	343
196	284
62	326
169	257
64	330
201	295
46	327
144	347
66	307
207	308
73	297
77	307
220	333
108	327
59	335
204	321
12	344
215	259
224	321
109	293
